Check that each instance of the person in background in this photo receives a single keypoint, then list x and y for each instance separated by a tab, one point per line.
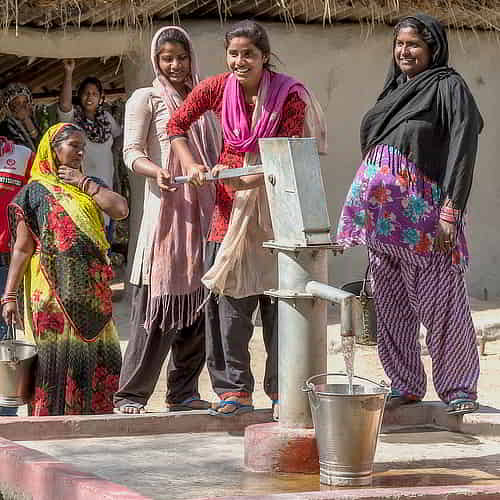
59	278
25	122
407	204
168	264
15	166
251	101
100	127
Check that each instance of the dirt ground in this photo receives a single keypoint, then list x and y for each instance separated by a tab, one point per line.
367	363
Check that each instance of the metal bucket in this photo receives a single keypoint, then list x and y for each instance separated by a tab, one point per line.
346	426
17	371
364	319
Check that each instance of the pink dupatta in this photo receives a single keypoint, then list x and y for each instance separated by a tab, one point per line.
243	267
176	291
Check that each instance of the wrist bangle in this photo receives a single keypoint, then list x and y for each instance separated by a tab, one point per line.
93	192
82	180
445	218
85	184
6	300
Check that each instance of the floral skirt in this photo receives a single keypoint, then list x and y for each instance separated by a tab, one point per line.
74	376
392	204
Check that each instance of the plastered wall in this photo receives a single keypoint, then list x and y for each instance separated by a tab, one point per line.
345	67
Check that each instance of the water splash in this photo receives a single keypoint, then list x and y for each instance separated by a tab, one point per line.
348	353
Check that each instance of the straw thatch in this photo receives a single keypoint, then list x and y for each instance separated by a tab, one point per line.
475	14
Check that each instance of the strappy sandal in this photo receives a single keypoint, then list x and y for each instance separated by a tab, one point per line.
239	409
397	398
137	408
462	405
187	406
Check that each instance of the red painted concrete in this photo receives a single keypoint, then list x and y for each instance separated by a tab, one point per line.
29	472
415	493
271	448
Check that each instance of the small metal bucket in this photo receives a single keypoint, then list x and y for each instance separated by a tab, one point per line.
364	319
17	371
346	426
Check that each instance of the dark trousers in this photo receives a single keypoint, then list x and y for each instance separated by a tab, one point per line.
146	353
229	328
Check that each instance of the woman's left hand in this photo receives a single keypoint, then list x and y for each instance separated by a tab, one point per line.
446	237
69	175
233	182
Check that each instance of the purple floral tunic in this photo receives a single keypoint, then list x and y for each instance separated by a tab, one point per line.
391	206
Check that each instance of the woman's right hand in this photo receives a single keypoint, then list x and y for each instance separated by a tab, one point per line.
164	180
69	65
196	174
9	312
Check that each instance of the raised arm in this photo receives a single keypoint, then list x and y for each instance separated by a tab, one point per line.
66	94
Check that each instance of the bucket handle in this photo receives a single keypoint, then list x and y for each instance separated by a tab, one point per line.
363	288
309	387
11	332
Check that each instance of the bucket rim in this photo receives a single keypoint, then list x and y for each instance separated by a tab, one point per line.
309	386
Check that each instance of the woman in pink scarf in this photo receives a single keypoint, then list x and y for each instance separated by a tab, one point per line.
168	264
252	102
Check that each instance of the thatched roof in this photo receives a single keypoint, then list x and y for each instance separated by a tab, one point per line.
476	14
45	77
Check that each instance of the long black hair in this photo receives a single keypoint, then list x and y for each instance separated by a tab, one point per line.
254	32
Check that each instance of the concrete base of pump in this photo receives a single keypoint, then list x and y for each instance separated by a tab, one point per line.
274	448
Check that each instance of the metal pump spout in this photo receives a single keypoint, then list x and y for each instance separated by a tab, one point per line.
332	294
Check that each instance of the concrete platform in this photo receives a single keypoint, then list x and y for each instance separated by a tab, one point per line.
429	463
193	455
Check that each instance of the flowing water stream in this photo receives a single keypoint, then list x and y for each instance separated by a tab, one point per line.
348	352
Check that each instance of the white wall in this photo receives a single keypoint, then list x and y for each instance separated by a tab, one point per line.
346	68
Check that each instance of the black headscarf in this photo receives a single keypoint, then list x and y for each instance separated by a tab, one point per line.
434	92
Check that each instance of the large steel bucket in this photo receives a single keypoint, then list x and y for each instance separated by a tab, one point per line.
346	426
364	319
17	371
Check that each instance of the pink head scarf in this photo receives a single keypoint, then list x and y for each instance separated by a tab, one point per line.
176	291
235	126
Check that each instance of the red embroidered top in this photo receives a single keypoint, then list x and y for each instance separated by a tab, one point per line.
207	96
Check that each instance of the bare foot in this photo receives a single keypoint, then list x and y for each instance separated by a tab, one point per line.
130	409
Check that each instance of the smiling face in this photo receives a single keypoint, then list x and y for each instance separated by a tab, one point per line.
70	151
174	63
245	61
90	97
411	53
20	107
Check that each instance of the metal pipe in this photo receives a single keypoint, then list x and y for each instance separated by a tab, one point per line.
332	294
302	325
224	174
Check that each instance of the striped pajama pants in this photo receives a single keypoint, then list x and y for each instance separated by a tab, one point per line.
435	295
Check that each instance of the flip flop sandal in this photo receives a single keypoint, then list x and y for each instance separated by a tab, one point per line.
239	409
186	405
137	406
461	406
397	398
276	410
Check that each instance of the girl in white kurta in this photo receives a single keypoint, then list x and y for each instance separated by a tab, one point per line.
167	292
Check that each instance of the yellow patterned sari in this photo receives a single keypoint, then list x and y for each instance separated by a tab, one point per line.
66	297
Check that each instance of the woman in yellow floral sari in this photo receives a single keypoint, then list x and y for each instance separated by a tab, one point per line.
59	276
